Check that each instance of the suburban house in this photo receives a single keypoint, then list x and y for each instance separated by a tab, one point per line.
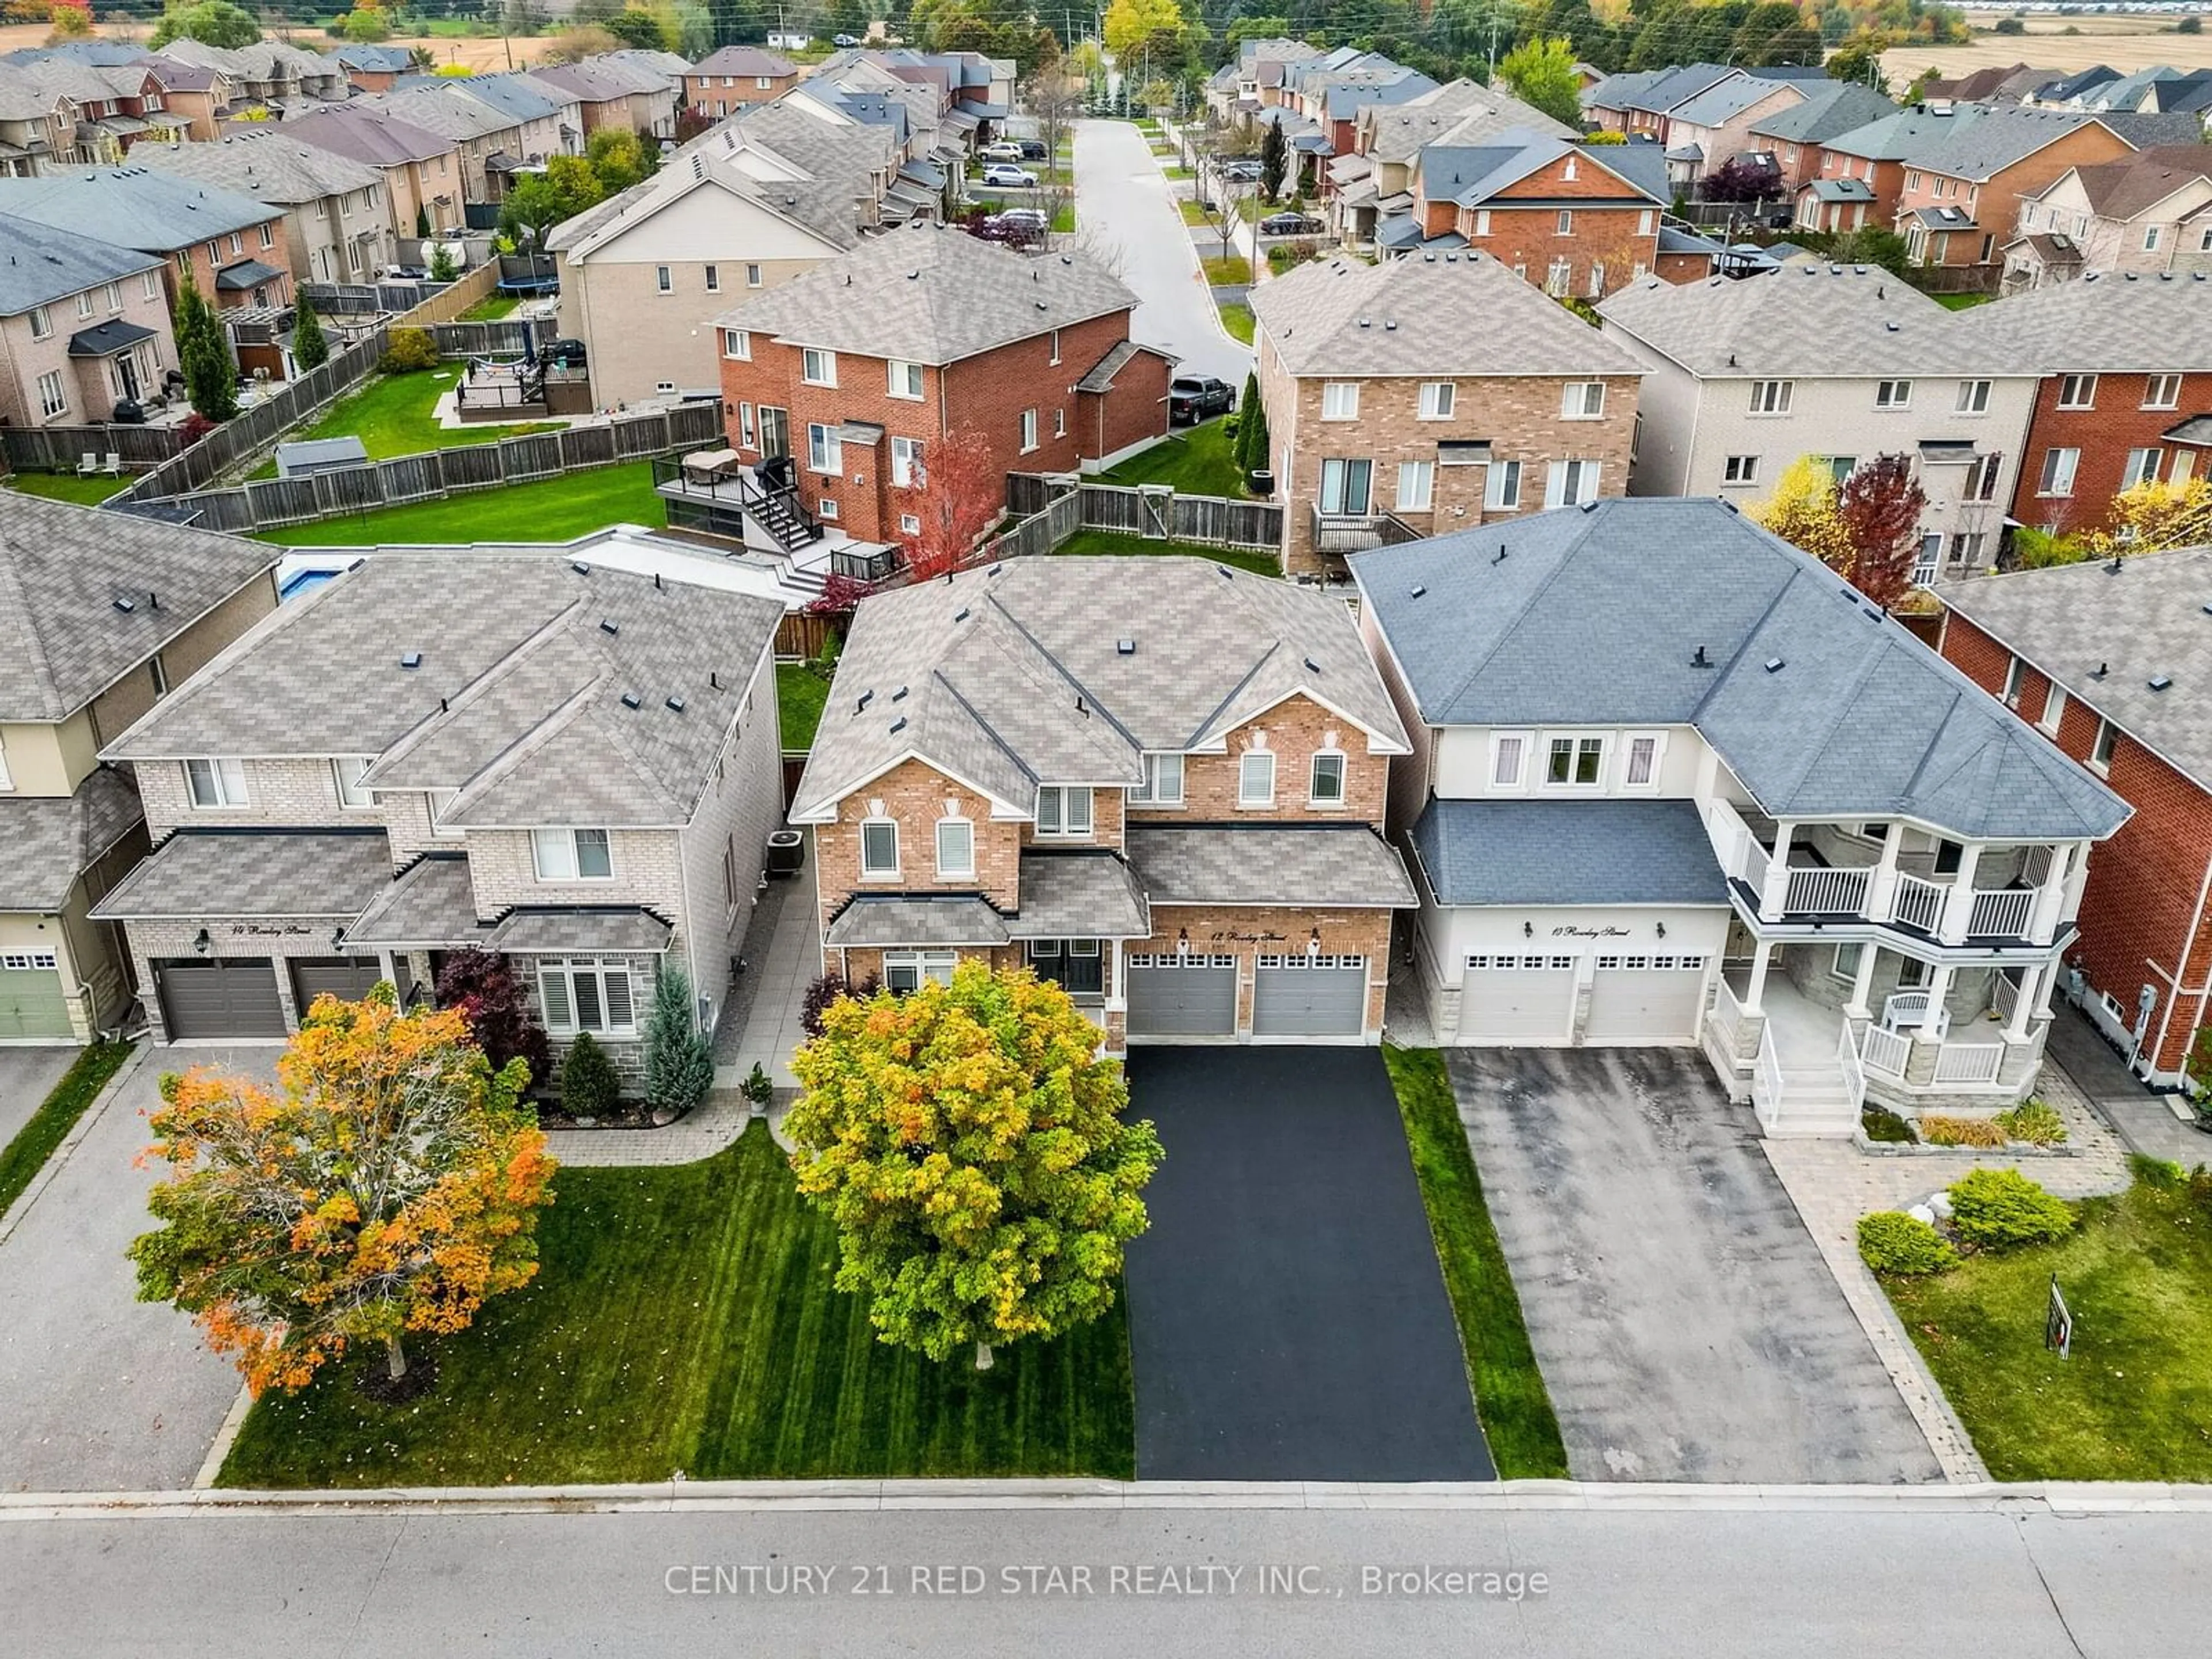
2104	661
216	240
1962	194
616	94
1162	787
1234	90
35	137
492	140
573	766
1640	102
421	169
2126	394
1794	136
83	325
1839	363
1373	182
1709	130
193	95
274	75
550	118
107	614
373	68
1860	173
1388	418
2011	83
857	367
338	214
105	109
732	79
1774	822
2150	212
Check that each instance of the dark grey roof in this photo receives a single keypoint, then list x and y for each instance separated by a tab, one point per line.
1996	141
1542	852
1909	132
2145	621
610	927
106	339
46	263
375	137
65	571
1325	866
201	873
269	166
1827	110
133	207
1078	895
2105	323
51	839
1820	706
2197	429
901	918
1119	356
430	906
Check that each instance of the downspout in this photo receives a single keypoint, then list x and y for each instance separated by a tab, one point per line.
2181	970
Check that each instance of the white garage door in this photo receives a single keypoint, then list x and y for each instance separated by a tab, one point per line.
1177	995
1310	996
1645	999
32	1001
1517	1000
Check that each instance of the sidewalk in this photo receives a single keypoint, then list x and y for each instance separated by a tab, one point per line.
2145	1120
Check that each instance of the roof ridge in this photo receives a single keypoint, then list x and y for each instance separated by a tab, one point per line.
1558	568
1728	668
1235	691
937	672
1062	670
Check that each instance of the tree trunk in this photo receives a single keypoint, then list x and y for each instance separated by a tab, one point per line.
395	1357
983	1360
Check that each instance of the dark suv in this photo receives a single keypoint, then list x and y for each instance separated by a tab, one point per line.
1192	397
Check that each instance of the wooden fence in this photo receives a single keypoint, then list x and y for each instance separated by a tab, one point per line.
449	301
802	635
59	448
1150	511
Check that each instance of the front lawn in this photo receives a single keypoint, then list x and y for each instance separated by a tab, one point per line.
2134	1401
67	487
1509	1396
684	1318
1237	318
1114	542
395	415
1231	271
800	694
35	1143
1199	463
557	510
1194	214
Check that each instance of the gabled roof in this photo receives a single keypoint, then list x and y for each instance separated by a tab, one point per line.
1998	139
1820	706
1013	676
52	839
745	60
132	206
88	595
1473	174
1458	112
43	265
2126	187
2103	323
1726	100
1836	106
374	138
374	59
270	166
1891	137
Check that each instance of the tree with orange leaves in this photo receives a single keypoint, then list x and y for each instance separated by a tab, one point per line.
390	1184
963	491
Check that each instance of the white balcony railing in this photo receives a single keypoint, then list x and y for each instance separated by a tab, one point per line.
1727	1016
2004	997
1916	903
2000	913
1885	1051
1823	891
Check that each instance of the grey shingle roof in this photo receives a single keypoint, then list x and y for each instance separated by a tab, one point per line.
1541	852
2103	323
1726	100
743	60
431	905
518	700
1343	316
1891	137
133	207
44	264
1009	677
932	295
64	570
1836	108
1459	112
1333	865
2146	620
200	873
52	839
1078	895
268	166
906	919
1855	717
1996	141
579	927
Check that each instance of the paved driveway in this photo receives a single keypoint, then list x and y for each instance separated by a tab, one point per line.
1685	1321
25	1076
1288	1319
97	1390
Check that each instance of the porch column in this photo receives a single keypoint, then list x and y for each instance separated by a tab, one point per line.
1777	873
1760	958
1958	902
2051	898
1939	990
2033	981
1881	886
1863	983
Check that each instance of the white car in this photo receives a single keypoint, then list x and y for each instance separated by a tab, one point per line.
1003	150
998	172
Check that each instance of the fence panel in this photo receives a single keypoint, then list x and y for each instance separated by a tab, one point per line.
1027	493
348	489
1112	507
646	434
476	466
588	446
59	448
801	634
693	423
274	501
410	477
538	456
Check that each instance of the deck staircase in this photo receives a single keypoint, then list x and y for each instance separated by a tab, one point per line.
1807	1099
782	519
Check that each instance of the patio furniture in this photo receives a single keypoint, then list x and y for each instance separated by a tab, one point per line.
89	465
112	466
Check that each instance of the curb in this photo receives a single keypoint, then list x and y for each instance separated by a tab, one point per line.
225	1439
61	1154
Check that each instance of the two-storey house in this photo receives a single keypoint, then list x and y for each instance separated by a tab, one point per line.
1162	787
2150	212
1388	415
1961	195
422	171
1373	182
1793	136
732	79
215	240
84	325
1839	363
106	615
1767	820
1860	173
524	753
617	95
338	214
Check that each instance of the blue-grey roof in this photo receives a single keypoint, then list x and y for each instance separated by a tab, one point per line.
1836	108
1658	91
44	265
1821	706
1542	852
132	207
1996	141
106	339
511	96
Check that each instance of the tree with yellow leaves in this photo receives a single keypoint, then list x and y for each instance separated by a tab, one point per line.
968	1142
1803	511
389	1184
2153	517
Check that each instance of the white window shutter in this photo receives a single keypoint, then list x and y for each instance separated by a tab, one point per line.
1588	490
1555	484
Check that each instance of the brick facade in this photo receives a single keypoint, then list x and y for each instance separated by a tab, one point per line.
2103	435
1248	932
1612	238
1993	203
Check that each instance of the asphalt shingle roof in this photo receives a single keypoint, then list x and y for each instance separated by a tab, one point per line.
1314	864
431	904
1995	142
198	873
1078	895
269	167
133	207
2103	323
52	839
1820	706
1543	852
1839	106
374	138
41	264
2122	189
1909	132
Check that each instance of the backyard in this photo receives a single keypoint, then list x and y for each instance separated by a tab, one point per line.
800	694
67	486
396	415
683	1319
1113	543
1199	463
558	510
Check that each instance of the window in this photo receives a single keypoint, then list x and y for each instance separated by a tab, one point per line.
1508	754
1740	470
184	264
1570	483
1982	478
158	673
1344	485
1566	224
817	366
827	507
752	276
880	850
345	773
762	82
437	803
1771	397
825	448
1973	397
906	381
713	279
214	783
114	292
2161	390
1060	424
585	993
1560	277
1339	400
1501	489
1840	467
2150	238
1029	430
905	970
1584	400
572	854
1481	222
2077	391
663	279
2014	671
1568	173
1577	762
1415	479
1845	966
1326	786
53	400
6	781
1162	784
1642	761
215	252
1055	345
2142	468
149	286
269	234
909	524
1437	398
2054	710
748	436
955	848
1063	810
1643	228
2059	466
2100	751
737	344
908	471
1892	394
1927	559
1256	778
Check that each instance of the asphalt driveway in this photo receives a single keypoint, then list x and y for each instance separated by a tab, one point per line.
1683	1318
27	1075
97	1390
1288	1319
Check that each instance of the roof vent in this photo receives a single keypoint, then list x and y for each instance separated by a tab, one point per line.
675	705
581	567
1363	323
2160	682
412	659
1890	327
899	725
867	697
1224	573
2100	671
1390	327
2127	275
1590	507
899	695
1129	647
961	615
1415	591
1699	659
1774	664
1500	559
631	700
126	605
2117	565
609	625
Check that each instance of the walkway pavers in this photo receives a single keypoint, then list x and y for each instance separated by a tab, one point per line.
2145	1120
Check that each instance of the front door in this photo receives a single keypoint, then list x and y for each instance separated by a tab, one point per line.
1075	963
126	366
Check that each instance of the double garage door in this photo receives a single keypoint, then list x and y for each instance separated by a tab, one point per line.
230	997
1530	1000
1195	995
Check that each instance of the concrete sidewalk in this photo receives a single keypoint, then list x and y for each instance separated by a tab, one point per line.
2145	1120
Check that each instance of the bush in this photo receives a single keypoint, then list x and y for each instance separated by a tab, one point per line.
1999	1209
679	1058
193	428
826	990
2035	1121
1938	1131
409	351
494	1000
590	1086
2200	1188
1883	1124
1891	1242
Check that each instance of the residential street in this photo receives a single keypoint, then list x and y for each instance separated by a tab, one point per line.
1125	207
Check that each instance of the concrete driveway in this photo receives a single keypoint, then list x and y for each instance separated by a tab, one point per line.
97	1390
1685	1321
25	1076
1288	1319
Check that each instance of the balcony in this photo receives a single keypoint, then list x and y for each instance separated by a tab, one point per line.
1340	533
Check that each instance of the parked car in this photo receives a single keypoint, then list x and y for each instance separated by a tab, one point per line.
1007	174
1003	149
1241	172
1033	150
1289	224
844	40
570	352
1029	218
1192	397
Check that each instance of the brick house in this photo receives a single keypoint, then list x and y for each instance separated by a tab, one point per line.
1794	135
1638	103
1960	195
1160	782
421	170
1382	405
855	368
2150	212
1860	173
569	764
1372	183
338	214
83	325
2109	665
733	79
220	241
107	614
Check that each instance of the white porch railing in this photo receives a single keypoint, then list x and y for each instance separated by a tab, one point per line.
1847	1056
1822	891
1743	858
1728	1015
1767	1081
1916	902
1968	1063
2035	868
1908	1010
1885	1051
2004	997
2001	912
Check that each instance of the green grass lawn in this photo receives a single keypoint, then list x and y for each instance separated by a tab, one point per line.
1509	1396
392	415
27	1154
2133	1403
1227	272
1194	214
557	510
1178	171
1199	463
1962	301
800	694
684	1318
1113	542
1237	318
490	309
67	487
